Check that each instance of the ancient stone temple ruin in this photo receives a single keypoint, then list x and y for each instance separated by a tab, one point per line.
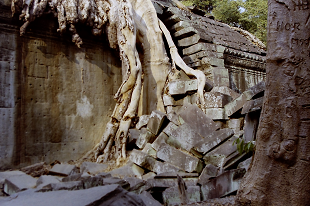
198	86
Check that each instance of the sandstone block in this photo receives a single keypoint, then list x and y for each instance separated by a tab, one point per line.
36	170
182	87
45	180
250	125
207	173
148	199
147	136
188	41
220	76
93	168
235	105
18	183
211	141
174	175
162	138
148	149
216	99
128	170
252	105
185	32
197	119
180	25
7	174
245	164
225	90
74	185
216	113
222	185
236	124
171	182
174	118
179	159
92	182
148	176
115	180
171	196
169	101
156	120
63	169
217	62
143	120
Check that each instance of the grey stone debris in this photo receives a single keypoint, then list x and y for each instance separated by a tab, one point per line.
222	153
169	101
236	124
171	196
138	186
133	135
143	120
245	164
171	182
128	170
155	122
148	176
174	175
148	149
250	125
103	195
180	25
225	90
182	87
93	168
37	169
185	135
18	183
188	41
74	185
7	174
74	177
170	128
162	138
194	116
215	138
179	159
148	199
220	74
147	136
115	180
63	169
186	32
207	173
222	185
173	117
45	180
252	105
216	99
216	113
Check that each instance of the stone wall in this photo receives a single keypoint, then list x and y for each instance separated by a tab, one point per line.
55	98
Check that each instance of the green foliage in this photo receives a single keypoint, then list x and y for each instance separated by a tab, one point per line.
243	147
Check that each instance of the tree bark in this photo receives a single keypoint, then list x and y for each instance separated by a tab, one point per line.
280	171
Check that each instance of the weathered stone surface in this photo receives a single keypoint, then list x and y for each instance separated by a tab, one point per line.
198	47
188	41
174	118
171	196
182	87
74	185
45	180
195	57
217	63
103	195
149	175
174	175
73	177
128	170
245	164
18	183
250	125
63	169
148	149
170	128
211	141
162	138
93	168
216	113
186	136
133	135
179	159
252	105
115	180
7	174
236	124
222	185
220	73
143	120
216	99
221	154
225	90
186	32
169	101
37	169
198	121
180	25
148	199
155	122
171	182
147	136
207	173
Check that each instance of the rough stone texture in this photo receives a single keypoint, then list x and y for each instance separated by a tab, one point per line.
128	170
216	113
169	101
162	138
143	120
18	183
74	185
251	125
155	122
171	182
7	174
181	87
216	99
146	136
225	90
198	121
63	169
171	196
148	199
245	164
148	149
92	167
212	140
45	180
222	185
235	124
179	159
36	170
253	105
207	173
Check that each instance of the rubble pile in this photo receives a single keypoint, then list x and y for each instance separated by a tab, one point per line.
188	145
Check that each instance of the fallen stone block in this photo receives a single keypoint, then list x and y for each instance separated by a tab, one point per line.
148	199
174	118
225	90
133	135
216	99
174	175
179	159
253	105
251	122
63	169
221	154
115	180
147	136
236	124
7	174
148	149
18	183
188	41
182	87
93	168
186	32
245	164
45	180
174	109
137	186
180	25
169	101
75	185
148	176
156	121
128	170
216	113
37	169
171	182
162	138
172	196
170	128
211	141
92	182
74	177
186	136
112	195
210	171
222	185
143	120
197	119
163	167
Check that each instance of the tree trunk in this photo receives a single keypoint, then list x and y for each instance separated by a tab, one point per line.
281	165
